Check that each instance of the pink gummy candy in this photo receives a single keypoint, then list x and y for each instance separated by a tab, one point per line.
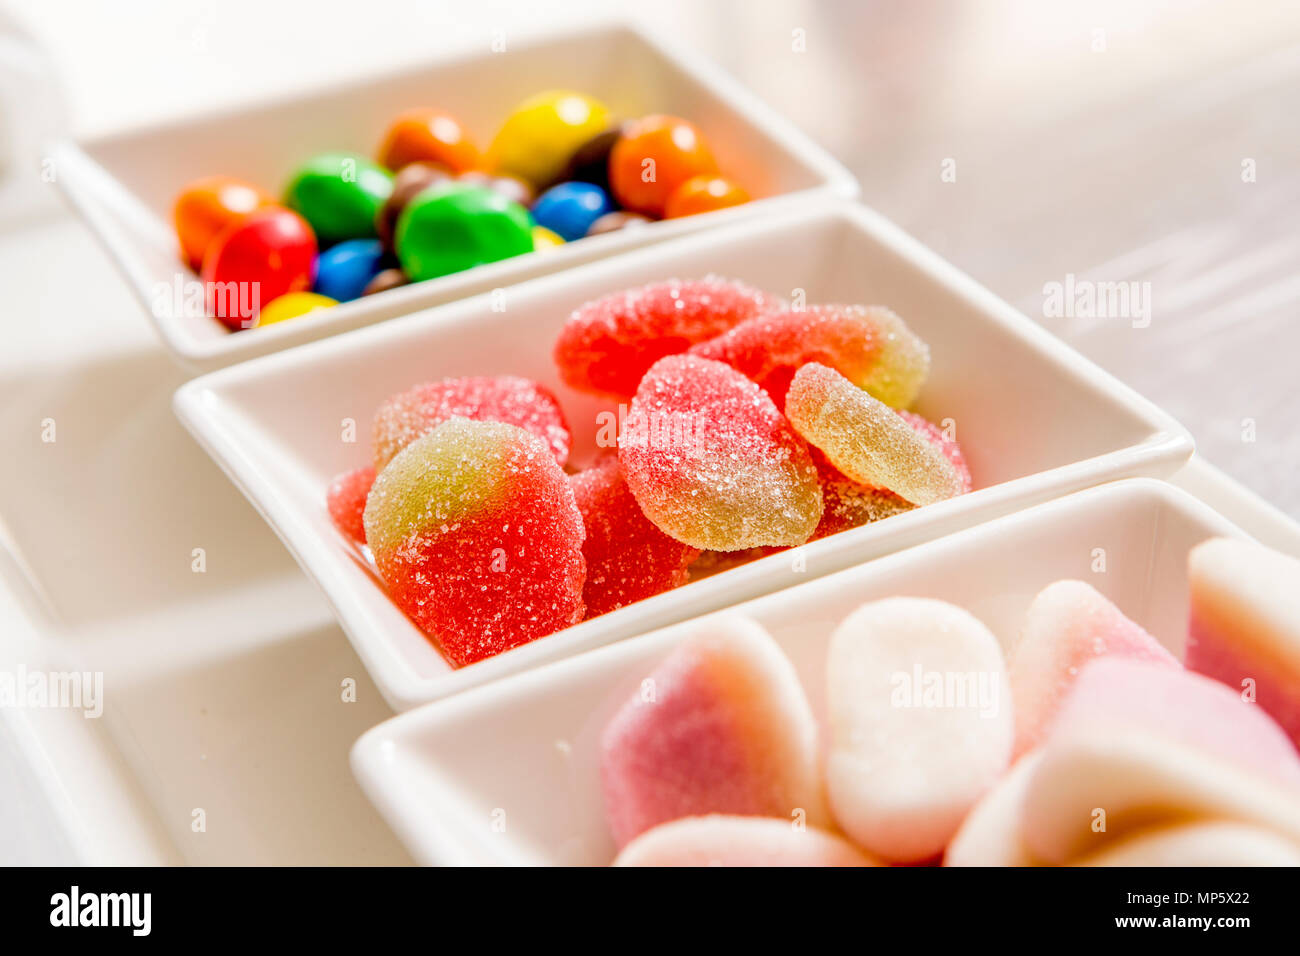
628	558
721	726
608	344
721	840
713	463
404	417
475	532
346	499
871	347
1245	623
1068	624
951	450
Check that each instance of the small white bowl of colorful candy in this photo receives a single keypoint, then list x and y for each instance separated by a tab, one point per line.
591	455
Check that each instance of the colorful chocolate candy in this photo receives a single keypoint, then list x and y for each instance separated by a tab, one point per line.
653	157
265	255
413	179
537	140
570	209
343	271
292	305
701	194
474	529
210	206
340	194
453	227
428	136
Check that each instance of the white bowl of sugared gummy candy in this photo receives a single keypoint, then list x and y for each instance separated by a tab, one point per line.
710	468
972	700
213	217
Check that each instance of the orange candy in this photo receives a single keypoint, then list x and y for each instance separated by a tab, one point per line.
654	156
207	207
704	194
428	136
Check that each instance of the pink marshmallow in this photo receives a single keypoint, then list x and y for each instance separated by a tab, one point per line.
1137	743
920	724
1208	843
990	834
721	726
1245	623
719	840
1068	624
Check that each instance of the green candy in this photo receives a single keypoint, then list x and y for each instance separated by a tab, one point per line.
339	194
454	226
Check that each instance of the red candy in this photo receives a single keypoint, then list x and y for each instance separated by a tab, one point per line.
608	345
628	558
713	463
406	416
346	499
266	254
847	504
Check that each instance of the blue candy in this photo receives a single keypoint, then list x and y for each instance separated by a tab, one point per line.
569	209
343	271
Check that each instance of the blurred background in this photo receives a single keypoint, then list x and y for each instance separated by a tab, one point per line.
1031	143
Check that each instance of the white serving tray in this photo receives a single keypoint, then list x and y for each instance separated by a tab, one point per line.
124	184
508	773
1035	418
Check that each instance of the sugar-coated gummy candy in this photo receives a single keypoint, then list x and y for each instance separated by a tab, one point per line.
1199	843
539	137
1068	624
867	440
652	158
208	207
704	194
628	558
346	500
721	726
990	835
608	344
713	463
428	136
408	415
947	445
340	194
569	209
269	253
919	722
452	227
871	347
1146	741
1245	623
292	305
412	180
475	532
848	504
722	840
343	271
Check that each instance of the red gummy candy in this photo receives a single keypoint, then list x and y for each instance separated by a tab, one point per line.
847	504
608	344
404	417
346	499
628	558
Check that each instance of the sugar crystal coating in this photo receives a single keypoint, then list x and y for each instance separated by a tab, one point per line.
406	416
346	500
867	440
848	504
712	462
607	345
951	450
721	726
475	532
628	558
872	347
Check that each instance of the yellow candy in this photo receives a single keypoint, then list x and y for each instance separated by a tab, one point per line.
291	305
543	238
543	132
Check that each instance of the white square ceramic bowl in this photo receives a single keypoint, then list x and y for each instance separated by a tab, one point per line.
509	773
1035	418
124	184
